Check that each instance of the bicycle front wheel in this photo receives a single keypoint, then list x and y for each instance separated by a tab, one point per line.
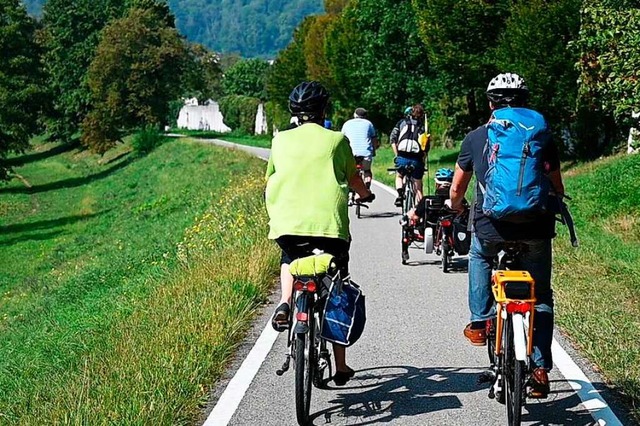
515	376
304	366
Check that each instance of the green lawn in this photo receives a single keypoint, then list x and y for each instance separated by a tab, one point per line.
598	284
114	307
262	141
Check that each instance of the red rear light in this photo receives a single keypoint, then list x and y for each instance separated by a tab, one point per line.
302	316
518	307
446	223
305	286
359	166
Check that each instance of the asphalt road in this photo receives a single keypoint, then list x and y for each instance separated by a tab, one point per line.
413	365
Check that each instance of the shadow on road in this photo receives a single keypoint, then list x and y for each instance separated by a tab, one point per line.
384	394
562	407
388	393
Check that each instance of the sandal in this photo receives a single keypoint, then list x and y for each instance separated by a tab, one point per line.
280	319
342	377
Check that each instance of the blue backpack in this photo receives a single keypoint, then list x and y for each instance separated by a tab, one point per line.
516	186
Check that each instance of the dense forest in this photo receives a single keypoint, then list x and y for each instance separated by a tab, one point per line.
250	28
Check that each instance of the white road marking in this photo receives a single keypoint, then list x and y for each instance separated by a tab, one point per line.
591	398
237	387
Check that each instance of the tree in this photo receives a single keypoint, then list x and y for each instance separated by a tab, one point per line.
71	34
136	72
288	70
609	49
460	36
203	75
377	59
21	94
535	44
246	78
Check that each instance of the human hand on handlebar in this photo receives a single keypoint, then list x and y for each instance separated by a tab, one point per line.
458	207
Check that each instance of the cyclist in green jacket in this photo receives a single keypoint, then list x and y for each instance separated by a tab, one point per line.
309	173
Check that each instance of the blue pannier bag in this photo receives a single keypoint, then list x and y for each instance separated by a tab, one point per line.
344	313
516	185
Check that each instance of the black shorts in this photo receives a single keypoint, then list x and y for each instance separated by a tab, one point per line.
295	246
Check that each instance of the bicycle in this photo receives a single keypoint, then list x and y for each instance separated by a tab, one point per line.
410	232
443	241
304	344
510	334
353	201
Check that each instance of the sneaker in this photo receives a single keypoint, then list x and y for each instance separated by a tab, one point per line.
539	384
398	202
477	337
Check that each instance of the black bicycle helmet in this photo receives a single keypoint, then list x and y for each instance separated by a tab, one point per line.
308	100
507	89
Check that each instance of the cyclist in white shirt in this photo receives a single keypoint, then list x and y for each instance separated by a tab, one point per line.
363	140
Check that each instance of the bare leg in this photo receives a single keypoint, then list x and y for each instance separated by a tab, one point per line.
286	284
418	188
398	181
368	176
339	353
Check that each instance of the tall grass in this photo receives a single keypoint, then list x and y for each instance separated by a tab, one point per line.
125	313
598	285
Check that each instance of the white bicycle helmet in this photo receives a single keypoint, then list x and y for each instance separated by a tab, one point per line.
507	88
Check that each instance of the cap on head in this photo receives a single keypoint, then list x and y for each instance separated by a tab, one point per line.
360	113
507	89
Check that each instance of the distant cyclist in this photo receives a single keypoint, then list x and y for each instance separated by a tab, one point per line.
536	161
406	138
363	140
309	171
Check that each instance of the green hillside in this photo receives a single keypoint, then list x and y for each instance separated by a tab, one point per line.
598	284
123	275
251	28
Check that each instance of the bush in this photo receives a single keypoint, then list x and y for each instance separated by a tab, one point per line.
146	140
240	112
277	116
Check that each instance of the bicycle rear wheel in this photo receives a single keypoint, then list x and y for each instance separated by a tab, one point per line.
409	197
445	254
304	366
515	376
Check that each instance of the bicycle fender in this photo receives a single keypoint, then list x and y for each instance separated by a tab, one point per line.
519	339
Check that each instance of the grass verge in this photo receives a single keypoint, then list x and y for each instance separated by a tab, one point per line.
120	299
598	285
261	141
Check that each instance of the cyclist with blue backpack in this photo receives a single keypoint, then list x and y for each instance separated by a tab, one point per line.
516	166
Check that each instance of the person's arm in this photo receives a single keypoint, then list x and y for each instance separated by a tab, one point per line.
552	158
393	139
459	187
461	176
270	168
357	184
556	181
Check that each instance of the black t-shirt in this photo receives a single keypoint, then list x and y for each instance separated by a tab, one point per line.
472	158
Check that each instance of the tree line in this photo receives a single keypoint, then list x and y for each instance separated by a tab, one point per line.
579	58
96	70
